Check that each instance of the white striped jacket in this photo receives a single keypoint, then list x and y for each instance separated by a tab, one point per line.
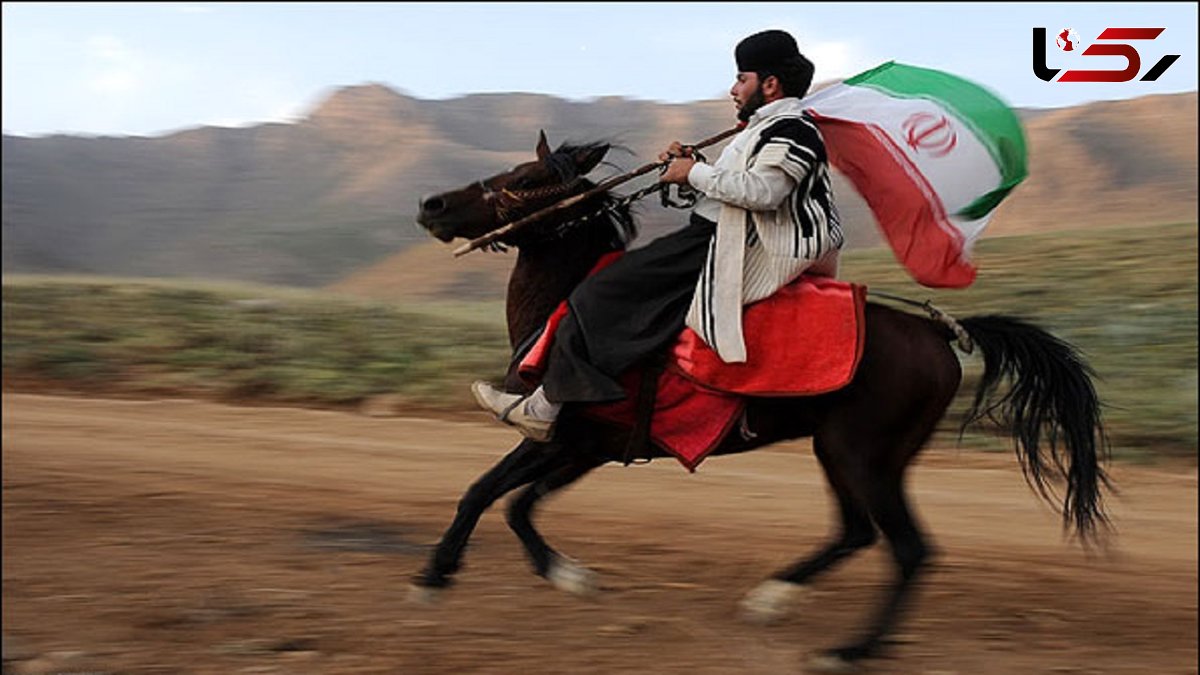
757	252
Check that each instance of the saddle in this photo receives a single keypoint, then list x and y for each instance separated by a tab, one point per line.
804	340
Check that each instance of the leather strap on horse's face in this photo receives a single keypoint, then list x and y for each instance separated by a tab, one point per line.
506	202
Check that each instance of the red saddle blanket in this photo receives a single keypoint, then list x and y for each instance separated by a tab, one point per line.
806	339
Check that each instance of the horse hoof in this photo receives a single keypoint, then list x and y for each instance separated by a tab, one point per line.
829	663
770	601
423	595
573	578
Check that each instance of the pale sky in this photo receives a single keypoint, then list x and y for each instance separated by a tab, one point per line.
153	68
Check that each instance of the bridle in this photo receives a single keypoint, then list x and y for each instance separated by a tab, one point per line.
601	188
505	202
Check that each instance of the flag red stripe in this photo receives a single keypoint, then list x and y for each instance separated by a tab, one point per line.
914	174
907	208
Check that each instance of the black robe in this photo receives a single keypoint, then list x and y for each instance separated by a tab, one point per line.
624	313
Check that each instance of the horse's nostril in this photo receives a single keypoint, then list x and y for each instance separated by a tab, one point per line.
433	205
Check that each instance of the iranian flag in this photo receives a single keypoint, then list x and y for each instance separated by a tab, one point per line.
932	154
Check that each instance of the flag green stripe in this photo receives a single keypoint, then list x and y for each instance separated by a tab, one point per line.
984	205
989	118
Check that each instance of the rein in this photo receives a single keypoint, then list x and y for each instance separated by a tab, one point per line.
604	186
505	202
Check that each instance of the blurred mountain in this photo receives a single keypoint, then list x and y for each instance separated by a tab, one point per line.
331	199
1108	163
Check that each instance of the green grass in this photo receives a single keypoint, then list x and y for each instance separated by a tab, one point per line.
240	343
1126	297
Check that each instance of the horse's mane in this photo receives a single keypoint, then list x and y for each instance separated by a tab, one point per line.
616	214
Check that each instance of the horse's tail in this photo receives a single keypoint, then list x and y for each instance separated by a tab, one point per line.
1050	396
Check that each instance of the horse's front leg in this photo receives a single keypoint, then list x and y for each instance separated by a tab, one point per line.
525	463
561	571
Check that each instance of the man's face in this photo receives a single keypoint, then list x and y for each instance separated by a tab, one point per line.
747	94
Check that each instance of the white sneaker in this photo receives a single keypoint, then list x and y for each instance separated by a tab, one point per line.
512	410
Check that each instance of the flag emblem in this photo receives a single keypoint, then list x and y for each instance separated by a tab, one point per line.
929	133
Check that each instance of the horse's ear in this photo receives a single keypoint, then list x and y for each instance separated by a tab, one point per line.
543	147
587	157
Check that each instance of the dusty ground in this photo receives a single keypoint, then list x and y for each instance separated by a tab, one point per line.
186	537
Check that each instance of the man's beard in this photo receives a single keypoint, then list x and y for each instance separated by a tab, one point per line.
756	101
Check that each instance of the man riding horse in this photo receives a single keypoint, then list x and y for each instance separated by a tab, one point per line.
765	216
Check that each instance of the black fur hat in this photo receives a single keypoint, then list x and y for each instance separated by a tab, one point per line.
774	52
767	51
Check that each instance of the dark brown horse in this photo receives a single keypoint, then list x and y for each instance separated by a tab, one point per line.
864	435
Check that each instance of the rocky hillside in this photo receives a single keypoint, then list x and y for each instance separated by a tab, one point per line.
331	198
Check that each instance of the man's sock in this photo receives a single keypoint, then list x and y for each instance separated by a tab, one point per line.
539	407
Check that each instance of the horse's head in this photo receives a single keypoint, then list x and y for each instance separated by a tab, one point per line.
485	205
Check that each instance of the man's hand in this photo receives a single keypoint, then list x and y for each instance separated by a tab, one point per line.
677	171
681	163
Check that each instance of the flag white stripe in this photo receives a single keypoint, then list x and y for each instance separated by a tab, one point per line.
915	175
959	177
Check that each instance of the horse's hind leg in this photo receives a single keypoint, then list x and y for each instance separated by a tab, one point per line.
773	598
561	571
890	510
884	496
527	462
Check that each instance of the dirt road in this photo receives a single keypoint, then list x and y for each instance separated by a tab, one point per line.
188	537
